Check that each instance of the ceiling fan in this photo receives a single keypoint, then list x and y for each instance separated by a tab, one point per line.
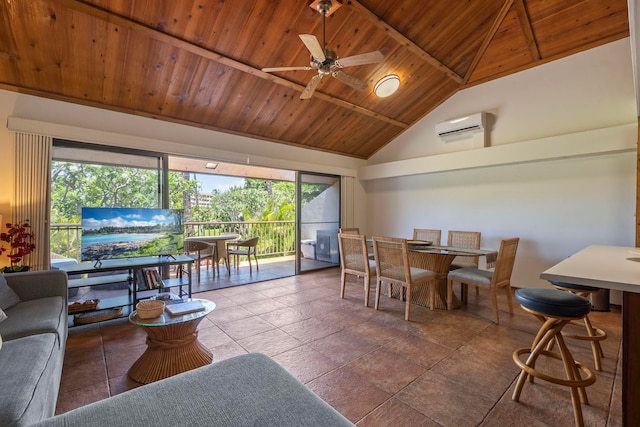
326	61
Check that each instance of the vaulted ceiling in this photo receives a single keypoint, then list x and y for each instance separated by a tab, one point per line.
199	62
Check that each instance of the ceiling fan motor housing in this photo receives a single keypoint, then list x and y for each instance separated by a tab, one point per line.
325	67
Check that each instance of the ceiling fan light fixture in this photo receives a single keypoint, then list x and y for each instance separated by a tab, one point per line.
387	86
325	6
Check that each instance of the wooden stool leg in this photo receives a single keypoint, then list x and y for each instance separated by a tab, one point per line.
578	394
596	335
550	332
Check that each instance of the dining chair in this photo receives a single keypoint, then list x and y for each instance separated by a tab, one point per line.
467	240
199	251
434	236
354	260
500	278
346	230
243	248
392	267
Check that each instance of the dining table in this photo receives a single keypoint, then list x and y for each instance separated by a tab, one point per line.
438	259
617	268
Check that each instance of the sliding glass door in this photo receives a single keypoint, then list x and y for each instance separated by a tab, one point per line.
318	221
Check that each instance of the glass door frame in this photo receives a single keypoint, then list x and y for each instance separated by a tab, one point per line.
330	227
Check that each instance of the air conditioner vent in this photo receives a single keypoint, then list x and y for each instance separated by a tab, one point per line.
468	124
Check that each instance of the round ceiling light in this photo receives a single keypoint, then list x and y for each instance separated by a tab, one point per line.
387	86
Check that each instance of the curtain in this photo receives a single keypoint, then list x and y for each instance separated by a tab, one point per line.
31	193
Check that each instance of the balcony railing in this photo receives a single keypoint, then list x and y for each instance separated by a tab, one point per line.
277	238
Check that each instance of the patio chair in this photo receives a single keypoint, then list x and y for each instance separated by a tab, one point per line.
199	251
243	248
392	267
354	260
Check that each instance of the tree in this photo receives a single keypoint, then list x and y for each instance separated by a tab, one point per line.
75	185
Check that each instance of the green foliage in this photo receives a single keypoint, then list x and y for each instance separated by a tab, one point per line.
75	185
170	244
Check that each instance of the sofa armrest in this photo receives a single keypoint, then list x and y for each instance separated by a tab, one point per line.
38	284
247	390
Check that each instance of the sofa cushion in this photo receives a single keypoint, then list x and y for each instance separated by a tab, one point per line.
30	376
8	298
34	317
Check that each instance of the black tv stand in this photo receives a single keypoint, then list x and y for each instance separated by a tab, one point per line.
81	275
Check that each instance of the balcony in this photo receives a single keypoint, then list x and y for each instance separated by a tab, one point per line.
276	254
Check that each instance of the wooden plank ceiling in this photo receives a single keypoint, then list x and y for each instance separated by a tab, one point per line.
199	62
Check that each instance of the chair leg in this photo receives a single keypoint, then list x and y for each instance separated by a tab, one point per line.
449	294
367	285
494	297
343	280
407	307
378	285
509	298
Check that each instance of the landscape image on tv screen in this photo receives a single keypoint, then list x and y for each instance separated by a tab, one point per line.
130	232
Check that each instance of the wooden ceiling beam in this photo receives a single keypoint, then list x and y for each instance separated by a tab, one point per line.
487	40
525	23
404	41
121	21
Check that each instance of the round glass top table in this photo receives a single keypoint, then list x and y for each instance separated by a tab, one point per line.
172	341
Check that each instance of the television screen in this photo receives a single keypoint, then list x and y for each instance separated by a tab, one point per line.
130	232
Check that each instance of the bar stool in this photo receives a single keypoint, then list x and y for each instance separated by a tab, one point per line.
554	309
595	335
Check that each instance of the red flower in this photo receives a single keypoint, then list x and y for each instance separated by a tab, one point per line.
20	241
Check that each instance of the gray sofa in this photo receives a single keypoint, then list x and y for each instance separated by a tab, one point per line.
247	390
34	336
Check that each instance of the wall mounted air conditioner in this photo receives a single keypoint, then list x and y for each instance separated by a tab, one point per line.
456	127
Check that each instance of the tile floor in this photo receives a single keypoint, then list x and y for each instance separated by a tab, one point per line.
443	368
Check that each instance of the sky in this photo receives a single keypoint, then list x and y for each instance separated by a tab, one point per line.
217	182
94	218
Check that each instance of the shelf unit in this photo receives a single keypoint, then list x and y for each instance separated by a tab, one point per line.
84	274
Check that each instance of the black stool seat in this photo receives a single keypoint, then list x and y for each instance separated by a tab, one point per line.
574	287
594	335
553	302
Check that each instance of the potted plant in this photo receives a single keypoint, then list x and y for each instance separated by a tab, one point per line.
20	240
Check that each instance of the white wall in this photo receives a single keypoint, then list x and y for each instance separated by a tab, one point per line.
556	207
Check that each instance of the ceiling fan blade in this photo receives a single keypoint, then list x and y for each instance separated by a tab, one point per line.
349	80
312	43
311	87
363	58
272	69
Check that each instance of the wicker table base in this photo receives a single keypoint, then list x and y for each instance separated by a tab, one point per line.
438	263
171	349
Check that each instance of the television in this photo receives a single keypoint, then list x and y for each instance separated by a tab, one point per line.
130	232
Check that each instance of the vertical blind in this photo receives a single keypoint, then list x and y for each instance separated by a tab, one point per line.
31	193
